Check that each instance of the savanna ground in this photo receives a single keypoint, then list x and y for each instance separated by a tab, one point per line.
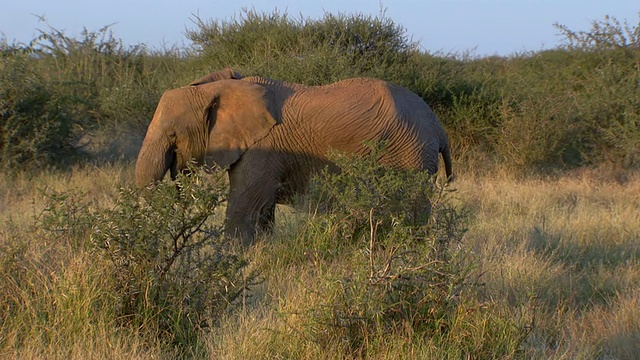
533	252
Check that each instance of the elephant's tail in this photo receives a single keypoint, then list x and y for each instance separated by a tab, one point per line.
446	156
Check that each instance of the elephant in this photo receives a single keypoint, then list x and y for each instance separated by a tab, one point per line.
272	136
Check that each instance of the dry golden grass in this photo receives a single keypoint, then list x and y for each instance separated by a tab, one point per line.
560	257
55	288
22	193
571	248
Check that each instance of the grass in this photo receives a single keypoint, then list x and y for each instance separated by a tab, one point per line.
569	247
558	257
556	261
541	260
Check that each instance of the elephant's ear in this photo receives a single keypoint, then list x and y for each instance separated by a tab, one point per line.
240	114
224	74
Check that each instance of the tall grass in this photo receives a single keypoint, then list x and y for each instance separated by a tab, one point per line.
88	269
555	275
533	255
571	247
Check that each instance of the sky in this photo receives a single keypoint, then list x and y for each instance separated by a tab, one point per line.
475	27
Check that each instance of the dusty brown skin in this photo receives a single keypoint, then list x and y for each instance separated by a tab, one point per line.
274	135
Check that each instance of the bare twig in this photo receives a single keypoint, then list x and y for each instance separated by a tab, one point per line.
371	240
372	237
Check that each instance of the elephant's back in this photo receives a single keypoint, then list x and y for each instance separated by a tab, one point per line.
346	114
343	114
412	131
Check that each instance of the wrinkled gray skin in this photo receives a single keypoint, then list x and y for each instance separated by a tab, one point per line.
274	135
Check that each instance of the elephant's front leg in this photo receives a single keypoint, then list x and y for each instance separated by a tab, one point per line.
267	217
245	225
250	207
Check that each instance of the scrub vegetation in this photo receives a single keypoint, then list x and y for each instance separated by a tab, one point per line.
532	253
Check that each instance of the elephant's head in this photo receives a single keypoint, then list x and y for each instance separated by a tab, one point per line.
217	120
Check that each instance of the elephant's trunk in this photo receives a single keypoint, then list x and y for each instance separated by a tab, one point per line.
156	157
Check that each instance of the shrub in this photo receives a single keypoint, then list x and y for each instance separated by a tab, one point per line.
302	50
175	273
406	271
364	185
112	84
575	105
156	267
36	126
58	90
605	85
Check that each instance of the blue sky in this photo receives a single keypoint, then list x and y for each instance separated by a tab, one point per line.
484	27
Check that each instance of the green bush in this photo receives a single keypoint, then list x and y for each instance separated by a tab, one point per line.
36	125
576	105
176	274
156	267
538	111
607	79
302	50
405	270
363	185
58	93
